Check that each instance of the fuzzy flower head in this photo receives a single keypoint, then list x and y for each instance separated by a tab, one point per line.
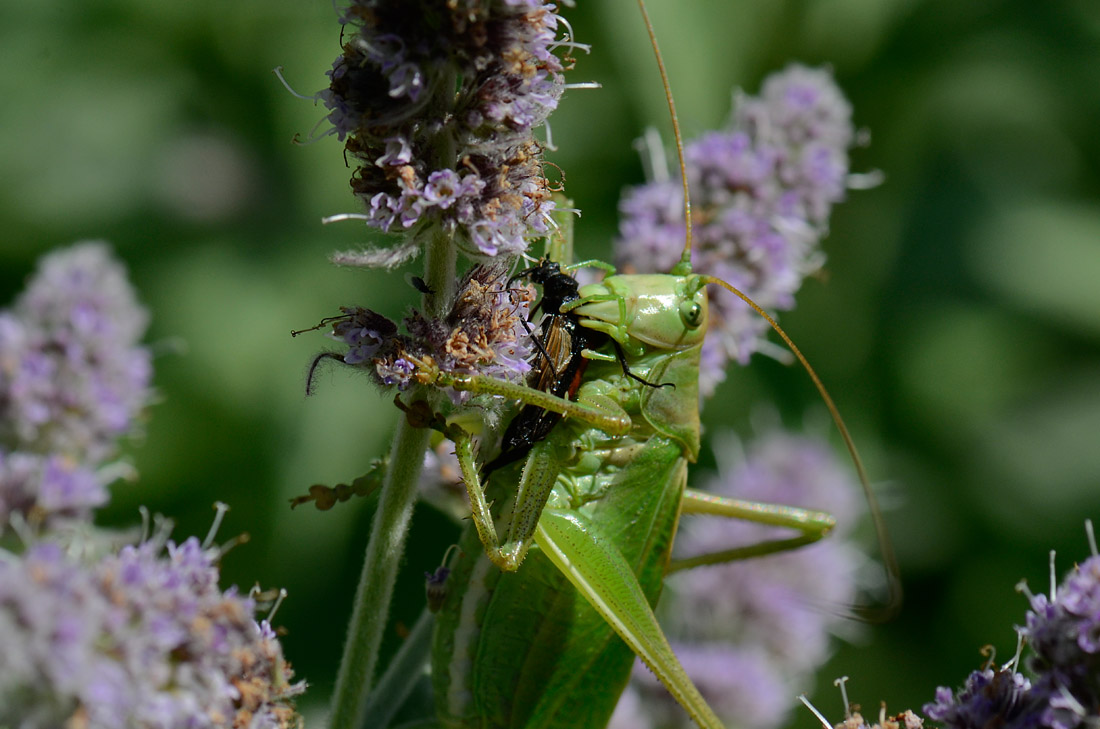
73	378
483	333
1001	698
43	488
751	633
139	638
761	195
1064	633
438	102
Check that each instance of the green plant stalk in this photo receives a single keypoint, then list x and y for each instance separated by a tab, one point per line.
400	677
390	527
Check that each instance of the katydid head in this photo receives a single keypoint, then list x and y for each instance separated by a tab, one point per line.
656	310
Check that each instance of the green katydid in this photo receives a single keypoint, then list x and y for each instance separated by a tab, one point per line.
599	499
530	626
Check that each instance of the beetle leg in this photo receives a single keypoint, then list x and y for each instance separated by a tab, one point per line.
626	369
813	525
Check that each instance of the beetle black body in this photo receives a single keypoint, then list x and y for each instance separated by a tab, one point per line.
561	364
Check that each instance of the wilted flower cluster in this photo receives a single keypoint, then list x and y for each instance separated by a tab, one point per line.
483	333
438	101
73	379
141	638
905	720
751	633
1063	632
761	195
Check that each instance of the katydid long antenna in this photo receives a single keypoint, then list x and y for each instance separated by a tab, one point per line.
871	613
684	266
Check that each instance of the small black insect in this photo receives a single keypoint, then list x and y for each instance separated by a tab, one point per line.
561	343
419	284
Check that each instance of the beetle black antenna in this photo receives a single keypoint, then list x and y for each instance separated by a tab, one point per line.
317	361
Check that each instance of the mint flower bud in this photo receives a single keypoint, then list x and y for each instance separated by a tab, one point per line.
141	638
761	195
438	102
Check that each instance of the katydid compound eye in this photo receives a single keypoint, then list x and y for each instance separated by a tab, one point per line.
691	313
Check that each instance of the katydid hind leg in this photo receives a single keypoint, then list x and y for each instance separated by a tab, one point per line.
600	573
809	524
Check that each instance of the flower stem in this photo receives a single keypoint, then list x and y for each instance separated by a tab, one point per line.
389	529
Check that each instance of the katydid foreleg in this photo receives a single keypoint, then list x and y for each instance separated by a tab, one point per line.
540	470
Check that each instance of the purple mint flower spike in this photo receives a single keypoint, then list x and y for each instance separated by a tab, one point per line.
137	638
762	191
73	380
73	377
751	633
989	698
1064	634
438	102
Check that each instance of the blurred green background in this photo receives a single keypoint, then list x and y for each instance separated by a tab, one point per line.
957	325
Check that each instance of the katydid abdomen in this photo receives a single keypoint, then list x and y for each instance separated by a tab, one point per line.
527	650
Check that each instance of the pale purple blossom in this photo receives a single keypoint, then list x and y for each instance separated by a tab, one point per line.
438	102
1001	698
143	638
762	191
1064	634
73	381
42	487
73	377
1063	692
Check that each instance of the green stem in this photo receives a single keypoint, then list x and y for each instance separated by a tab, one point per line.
401	675
390	527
